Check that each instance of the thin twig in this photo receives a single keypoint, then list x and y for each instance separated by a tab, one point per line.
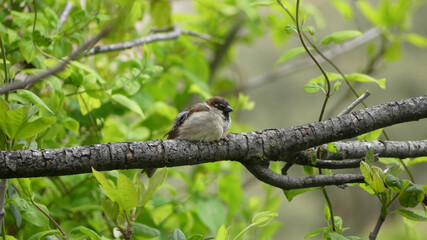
199	35
355	103
373	235
59	68
64	14
50	218
3	53
34	29
154	37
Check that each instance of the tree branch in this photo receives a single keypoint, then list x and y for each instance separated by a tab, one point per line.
64	14
264	174
153	37
51	71
247	148
358	149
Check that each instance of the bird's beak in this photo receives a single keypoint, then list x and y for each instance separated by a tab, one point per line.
228	109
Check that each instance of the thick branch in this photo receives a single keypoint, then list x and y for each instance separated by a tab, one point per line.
263	173
273	144
358	149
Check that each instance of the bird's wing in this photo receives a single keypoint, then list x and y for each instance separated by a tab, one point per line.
180	118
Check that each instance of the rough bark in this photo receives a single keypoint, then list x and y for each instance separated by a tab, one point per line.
252	149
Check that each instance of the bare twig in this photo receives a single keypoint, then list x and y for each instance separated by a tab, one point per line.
373	235
59	68
264	174
3	53
50	218
199	35
355	103
153	37
64	14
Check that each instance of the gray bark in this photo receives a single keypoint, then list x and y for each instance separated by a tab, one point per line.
253	149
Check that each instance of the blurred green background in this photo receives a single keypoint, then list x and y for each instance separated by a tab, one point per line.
283	103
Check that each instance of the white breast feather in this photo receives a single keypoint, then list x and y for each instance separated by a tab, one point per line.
203	126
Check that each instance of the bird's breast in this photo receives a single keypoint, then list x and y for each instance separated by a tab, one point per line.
202	126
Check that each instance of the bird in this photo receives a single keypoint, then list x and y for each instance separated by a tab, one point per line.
202	122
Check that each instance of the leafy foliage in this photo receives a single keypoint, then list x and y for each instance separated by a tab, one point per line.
134	95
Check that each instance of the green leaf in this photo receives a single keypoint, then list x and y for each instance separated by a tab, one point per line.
418	160
27	49
211	212
223	233
367	188
393	183
145	231
369	12
22	18
309	170
11	121
230	190
417	40
25	186
87	103
290	194
373	135
161	13
309	29
291	28
88	69
262	219
4	106
327	213
360	77
340	36
337	85
177	235
264	3
107	186
394	51
333	235
154	183
129	103
127	197
87	232
414	215
344	8
110	208
33	98
316	232
366	172
293	52
332	148
377	180
44	234
70	124
370	158
35	216
314	87
411	195
37	126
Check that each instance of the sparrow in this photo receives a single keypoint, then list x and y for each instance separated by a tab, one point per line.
203	122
